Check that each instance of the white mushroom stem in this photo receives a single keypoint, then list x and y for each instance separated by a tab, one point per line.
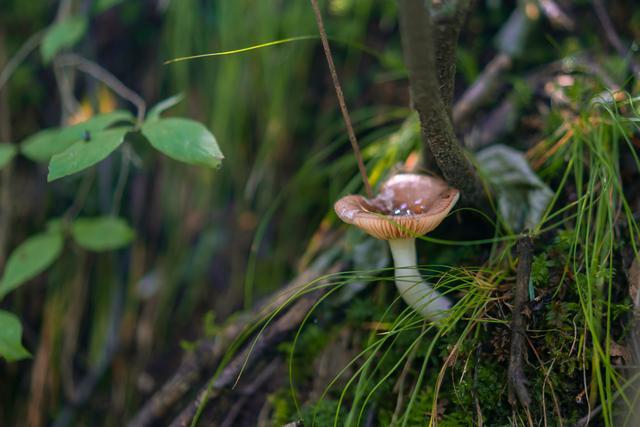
414	290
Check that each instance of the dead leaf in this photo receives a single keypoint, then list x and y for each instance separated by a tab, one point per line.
622	351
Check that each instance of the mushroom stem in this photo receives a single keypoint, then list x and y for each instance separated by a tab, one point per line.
416	292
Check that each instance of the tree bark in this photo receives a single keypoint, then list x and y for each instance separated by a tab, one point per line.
437	131
448	20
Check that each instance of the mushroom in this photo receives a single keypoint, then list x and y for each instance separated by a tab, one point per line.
407	206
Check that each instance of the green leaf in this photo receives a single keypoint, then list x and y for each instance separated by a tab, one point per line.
62	35
522	196
184	140
11	338
83	154
162	106
102	233
29	259
41	146
7	152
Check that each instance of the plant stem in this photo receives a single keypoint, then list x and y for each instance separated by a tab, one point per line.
97	72
10	67
341	101
416	292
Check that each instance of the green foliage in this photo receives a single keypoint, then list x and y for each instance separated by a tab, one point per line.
41	146
540	269
284	411
188	346
361	310
7	152
102	233
84	154
521	195
184	140
323	413
209	325
309	344
11	338
62	35
29	259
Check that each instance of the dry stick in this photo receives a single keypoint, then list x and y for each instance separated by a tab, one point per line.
249	391
556	15
6	199
517	379
437	130
210	351
99	73
341	101
614	38
274	334
474	389
22	53
482	89
189	372
90	381
399	387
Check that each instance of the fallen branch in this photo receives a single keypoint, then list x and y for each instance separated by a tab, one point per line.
614	38
517	379
275	333
249	391
483	88
210	351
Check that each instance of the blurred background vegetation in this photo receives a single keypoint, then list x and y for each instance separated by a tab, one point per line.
106	330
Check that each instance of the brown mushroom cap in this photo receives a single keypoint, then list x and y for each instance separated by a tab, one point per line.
408	205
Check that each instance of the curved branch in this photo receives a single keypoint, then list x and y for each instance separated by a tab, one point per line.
97	72
437	130
448	19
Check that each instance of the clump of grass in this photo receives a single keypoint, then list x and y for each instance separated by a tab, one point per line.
576	312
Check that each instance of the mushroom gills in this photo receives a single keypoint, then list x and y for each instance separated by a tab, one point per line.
416	292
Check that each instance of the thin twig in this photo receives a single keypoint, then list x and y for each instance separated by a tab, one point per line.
81	195
614	38
483	88
22	53
249	391
341	101
210	351
584	421
90	381
125	165
556	15
274	334
517	379
65	82
479	419
399	387
99	73
6	199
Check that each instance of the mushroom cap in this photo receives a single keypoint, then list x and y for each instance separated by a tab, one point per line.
407	206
